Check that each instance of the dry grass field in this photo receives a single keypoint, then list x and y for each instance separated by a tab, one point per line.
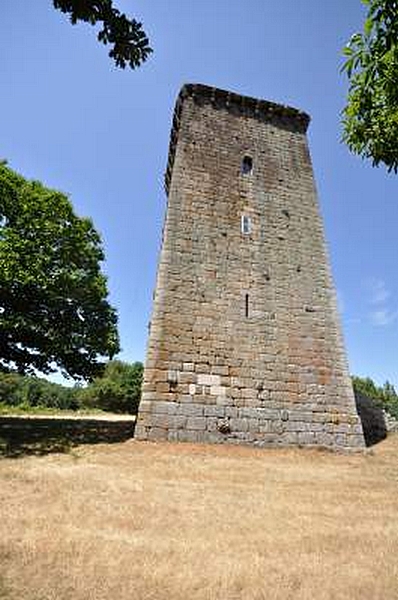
139	521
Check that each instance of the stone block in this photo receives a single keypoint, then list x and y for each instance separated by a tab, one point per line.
168	408
178	422
184	435
163	386
212	423
157	434
208	380
324	439
187	377
218	390
212	437
231	411
202	368
239	425
289	438
223	401
253	425
306	437
172	435
191	410
140	432
196	423
215	411
161	421
145	406
220	370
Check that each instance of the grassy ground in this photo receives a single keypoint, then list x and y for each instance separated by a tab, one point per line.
25	409
163	521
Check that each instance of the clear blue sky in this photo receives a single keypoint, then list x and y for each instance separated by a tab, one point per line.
72	120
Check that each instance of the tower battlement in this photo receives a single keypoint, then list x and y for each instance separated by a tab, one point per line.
262	110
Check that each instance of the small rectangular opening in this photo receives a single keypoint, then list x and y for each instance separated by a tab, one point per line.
246	305
246	225
247	165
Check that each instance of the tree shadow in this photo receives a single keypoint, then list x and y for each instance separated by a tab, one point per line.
22	436
372	419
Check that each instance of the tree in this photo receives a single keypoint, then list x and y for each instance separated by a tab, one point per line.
130	45
53	297
31	392
370	118
117	390
366	387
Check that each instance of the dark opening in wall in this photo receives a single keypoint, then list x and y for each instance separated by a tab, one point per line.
246	305
247	165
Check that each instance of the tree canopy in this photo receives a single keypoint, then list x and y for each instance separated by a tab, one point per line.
385	395
117	390
130	45
370	118
53	296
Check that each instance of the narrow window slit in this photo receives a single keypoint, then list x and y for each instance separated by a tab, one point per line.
246	305
246	225
247	165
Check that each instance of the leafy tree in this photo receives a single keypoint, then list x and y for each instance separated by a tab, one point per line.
53	306
10	389
130	45
370	118
366	387
30	391
117	390
385	396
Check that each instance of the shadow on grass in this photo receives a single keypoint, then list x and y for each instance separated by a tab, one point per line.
21	436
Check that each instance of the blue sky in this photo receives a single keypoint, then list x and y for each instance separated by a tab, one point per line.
72	120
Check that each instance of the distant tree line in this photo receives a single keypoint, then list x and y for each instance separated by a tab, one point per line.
117	390
385	396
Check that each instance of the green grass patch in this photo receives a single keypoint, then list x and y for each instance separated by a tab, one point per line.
25	409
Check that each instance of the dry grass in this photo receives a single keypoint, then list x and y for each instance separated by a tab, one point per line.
139	521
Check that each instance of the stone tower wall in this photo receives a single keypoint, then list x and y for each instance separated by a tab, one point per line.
245	342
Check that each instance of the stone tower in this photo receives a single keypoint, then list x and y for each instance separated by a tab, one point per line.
245	343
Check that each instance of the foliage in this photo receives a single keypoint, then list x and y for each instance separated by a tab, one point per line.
370	119
53	307
117	390
130	45
385	396
34	392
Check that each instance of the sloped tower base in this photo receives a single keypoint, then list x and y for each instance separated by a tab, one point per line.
245	343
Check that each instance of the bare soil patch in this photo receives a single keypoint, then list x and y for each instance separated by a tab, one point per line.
165	521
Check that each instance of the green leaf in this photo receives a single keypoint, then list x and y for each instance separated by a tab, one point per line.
368	26
370	127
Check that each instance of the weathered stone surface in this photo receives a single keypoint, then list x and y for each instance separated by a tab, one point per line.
245	343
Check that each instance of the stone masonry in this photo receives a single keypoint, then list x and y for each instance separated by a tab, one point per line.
245	343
